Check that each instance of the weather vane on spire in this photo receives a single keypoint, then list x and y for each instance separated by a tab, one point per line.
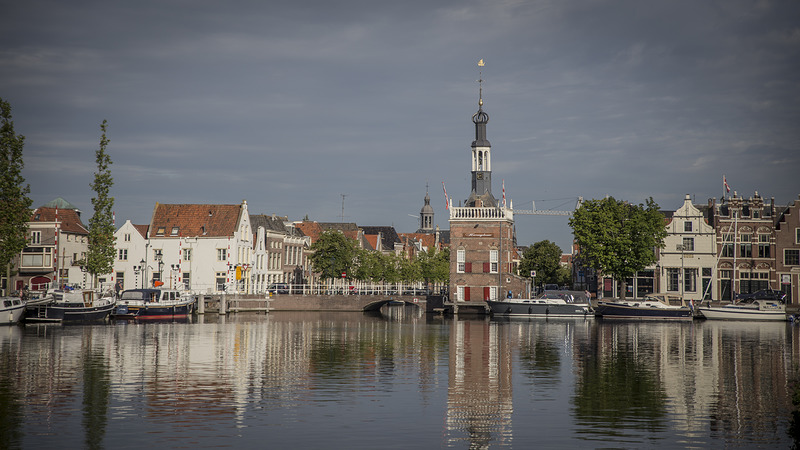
480	83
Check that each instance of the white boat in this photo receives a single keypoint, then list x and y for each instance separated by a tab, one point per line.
751	310
548	305
11	310
653	306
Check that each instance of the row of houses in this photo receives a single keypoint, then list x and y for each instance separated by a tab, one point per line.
717	250
202	248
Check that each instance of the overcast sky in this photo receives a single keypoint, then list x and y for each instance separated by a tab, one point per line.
289	105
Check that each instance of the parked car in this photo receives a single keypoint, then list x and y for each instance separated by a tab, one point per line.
278	288
764	294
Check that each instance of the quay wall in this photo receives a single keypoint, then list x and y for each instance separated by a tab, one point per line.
291	302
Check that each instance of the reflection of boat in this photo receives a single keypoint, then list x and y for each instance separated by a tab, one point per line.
654	306
548	305
153	304
70	306
11	310
749	310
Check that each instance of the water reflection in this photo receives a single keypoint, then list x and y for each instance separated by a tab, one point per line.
399	378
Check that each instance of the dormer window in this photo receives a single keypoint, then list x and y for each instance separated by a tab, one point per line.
174	231
160	231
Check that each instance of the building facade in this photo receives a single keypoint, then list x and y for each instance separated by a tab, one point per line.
482	240
787	242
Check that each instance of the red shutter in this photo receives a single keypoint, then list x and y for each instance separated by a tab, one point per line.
486	267
467	267
466	294
486	293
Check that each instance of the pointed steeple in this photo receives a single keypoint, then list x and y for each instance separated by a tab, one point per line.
426	215
481	194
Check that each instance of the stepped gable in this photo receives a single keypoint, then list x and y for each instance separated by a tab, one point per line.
194	220
69	219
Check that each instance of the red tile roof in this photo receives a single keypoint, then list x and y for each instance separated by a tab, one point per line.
142	229
68	218
194	220
310	229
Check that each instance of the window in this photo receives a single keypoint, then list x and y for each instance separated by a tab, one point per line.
688	244
493	263
687	226
174	231
460	256
127	237
123	254
460	294
36	237
220	281
187	254
746	248
492	292
672	279
763	246
222	254
791	257
160	231
689	280
187	280
797	235
727	250
121	279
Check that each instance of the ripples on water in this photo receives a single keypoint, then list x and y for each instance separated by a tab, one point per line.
399	379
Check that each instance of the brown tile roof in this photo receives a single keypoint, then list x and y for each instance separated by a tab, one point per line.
142	229
310	229
194	220
69	219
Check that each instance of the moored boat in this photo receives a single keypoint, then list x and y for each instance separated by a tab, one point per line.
759	309
654	306
548	305
70	306
11	310
153	304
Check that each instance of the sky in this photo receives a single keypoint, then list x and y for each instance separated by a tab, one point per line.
351	110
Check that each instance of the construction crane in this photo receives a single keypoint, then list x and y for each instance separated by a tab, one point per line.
547	212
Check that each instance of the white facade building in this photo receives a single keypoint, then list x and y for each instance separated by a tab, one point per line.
688	259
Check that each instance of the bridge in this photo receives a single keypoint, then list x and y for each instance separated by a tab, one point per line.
300	302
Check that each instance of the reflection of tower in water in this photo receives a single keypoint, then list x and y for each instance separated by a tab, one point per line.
479	401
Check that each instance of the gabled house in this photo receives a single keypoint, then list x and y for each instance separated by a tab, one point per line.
57	245
131	244
280	253
787	255
204	248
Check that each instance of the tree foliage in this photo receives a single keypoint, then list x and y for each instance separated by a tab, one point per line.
101	251
14	202
545	258
618	238
333	255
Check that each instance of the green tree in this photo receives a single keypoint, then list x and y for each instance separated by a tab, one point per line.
618	238
14	202
545	258
333	255
101	251
434	266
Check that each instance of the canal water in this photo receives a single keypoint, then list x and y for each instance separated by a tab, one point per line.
398	379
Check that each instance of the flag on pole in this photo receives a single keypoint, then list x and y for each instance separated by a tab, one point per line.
446	199
504	193
725	184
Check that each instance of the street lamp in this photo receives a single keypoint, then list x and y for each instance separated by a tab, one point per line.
142	270
681	248
175	268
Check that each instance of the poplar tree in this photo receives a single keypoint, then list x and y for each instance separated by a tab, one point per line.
101	252
14	202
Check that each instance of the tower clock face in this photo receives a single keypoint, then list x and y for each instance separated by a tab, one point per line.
479	176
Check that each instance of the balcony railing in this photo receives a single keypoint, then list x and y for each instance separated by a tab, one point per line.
472	213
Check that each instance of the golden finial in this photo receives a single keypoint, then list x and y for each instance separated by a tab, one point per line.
480	81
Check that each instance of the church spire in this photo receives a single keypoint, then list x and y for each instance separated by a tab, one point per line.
481	194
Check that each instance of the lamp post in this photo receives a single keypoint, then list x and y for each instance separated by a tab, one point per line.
175	268
143	270
680	248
